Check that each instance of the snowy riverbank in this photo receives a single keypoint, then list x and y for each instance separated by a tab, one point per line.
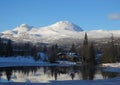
111	67
117	65
29	61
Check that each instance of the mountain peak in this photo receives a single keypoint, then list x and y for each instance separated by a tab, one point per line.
23	25
64	22
23	28
66	25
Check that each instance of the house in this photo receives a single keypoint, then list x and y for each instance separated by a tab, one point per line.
68	56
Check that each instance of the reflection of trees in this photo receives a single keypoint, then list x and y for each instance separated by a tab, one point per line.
56	71
25	70
53	71
88	72
8	72
72	75
0	74
107	75
45	69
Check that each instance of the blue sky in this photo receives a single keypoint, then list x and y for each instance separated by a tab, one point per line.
88	14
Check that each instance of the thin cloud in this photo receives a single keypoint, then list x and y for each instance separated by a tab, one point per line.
114	16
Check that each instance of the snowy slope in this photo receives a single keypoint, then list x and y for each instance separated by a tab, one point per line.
59	30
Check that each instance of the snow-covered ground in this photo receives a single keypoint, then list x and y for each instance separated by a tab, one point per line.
65	62
29	61
17	59
111	67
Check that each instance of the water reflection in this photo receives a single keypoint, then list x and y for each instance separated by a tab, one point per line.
107	75
8	72
55	72
87	72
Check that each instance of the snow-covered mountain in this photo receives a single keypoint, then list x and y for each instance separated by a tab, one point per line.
60	31
24	32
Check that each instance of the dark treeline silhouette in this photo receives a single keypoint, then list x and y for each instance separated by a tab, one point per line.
53	53
110	52
73	48
8	48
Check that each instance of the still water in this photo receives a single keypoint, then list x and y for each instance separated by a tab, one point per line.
46	74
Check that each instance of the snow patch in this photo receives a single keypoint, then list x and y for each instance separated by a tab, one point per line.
117	65
111	67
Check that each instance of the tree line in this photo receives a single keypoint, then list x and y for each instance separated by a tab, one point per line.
110	51
6	48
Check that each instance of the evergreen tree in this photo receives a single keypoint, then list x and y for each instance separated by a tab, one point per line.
109	52
88	59
9	48
34	54
88	52
85	39
27	48
8	72
92	62
85	50
73	49
92	55
54	52
44	49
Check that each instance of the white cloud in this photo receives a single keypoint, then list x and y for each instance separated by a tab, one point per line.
114	16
